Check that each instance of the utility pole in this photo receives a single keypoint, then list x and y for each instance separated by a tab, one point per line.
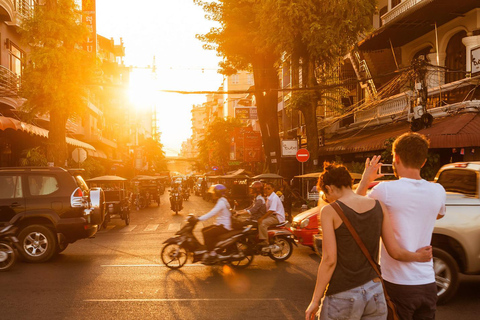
421	117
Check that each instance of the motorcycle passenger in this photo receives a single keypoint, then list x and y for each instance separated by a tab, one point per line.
223	223
258	207
275	214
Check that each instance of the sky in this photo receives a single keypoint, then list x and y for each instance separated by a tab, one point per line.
166	30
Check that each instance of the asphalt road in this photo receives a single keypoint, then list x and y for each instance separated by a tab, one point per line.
119	275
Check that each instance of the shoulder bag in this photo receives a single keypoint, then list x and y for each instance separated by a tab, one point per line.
392	312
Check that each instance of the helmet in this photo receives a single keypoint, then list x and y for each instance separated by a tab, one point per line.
257	186
218	189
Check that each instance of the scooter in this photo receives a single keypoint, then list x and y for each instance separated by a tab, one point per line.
186	194
176	201
8	246
233	248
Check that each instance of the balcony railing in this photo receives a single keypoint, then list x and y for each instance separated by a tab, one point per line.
9	82
24	8
396	106
399	9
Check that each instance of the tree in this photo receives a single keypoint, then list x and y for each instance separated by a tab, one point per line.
315	36
237	40
154	155
54	80
214	148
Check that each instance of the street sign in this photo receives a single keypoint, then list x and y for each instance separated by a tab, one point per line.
303	155
79	155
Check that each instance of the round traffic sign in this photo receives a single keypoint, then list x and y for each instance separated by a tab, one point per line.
303	155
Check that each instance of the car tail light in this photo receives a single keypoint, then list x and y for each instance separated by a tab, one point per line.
78	193
77	200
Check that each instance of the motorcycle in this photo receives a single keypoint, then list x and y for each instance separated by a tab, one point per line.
8	245
186	194
176	200
232	249
236	248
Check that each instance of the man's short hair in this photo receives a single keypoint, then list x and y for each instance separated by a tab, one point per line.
412	148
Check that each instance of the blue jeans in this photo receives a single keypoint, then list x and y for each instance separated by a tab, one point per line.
364	302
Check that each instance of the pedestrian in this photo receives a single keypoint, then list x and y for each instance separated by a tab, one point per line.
352	287
413	204
288	199
275	214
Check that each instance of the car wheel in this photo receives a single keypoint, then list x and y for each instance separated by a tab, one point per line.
37	243
446	275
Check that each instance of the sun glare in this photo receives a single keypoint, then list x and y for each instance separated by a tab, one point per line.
143	90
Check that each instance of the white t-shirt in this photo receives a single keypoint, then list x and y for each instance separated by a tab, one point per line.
222	211
275	204
413	206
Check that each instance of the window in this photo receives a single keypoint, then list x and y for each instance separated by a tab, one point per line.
11	187
40	185
235	78
457	180
16	58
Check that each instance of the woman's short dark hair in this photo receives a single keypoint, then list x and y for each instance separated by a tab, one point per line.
336	175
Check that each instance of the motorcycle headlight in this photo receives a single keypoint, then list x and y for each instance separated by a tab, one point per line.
304	223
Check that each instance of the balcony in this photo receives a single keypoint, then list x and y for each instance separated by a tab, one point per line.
402	7
9	82
441	100
22	9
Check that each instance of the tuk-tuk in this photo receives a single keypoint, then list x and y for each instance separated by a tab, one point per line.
116	197
146	190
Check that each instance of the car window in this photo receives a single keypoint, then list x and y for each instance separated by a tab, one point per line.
42	185
11	187
457	180
81	183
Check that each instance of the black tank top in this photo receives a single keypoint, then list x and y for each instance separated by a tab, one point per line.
353	268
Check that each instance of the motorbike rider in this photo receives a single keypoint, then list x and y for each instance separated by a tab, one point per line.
258	207
275	214
223	223
176	188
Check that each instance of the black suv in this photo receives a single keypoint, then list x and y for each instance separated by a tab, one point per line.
51	207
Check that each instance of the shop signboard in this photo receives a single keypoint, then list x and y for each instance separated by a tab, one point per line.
475	60
89	19
289	147
246	113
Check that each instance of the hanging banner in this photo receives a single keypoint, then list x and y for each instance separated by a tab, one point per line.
89	19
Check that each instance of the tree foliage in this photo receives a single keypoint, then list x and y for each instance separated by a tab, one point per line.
214	148
154	155
54	79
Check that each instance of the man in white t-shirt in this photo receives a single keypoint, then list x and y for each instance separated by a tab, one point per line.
275	214
413	204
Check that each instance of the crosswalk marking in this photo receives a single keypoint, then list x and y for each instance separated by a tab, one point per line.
174	227
151	227
128	228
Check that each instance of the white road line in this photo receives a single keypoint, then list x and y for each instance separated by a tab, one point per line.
179	300
151	227
174	227
128	228
145	265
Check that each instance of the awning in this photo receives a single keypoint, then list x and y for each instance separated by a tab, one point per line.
356	176
457	131
97	154
17	125
415	22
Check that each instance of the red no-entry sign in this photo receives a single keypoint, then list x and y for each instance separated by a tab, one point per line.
303	155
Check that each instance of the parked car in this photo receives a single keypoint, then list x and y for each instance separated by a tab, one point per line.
51	207
305	226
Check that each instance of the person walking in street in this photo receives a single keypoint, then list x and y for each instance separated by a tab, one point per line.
413	205
352	287
275	214
222	225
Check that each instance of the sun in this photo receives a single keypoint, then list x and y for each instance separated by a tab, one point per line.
143	89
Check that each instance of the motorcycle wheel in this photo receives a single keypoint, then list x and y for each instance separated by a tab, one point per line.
7	256
246	261
285	252
174	256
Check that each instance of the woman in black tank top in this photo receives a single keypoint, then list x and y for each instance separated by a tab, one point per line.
351	286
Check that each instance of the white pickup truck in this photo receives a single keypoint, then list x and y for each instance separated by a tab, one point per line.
456	237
